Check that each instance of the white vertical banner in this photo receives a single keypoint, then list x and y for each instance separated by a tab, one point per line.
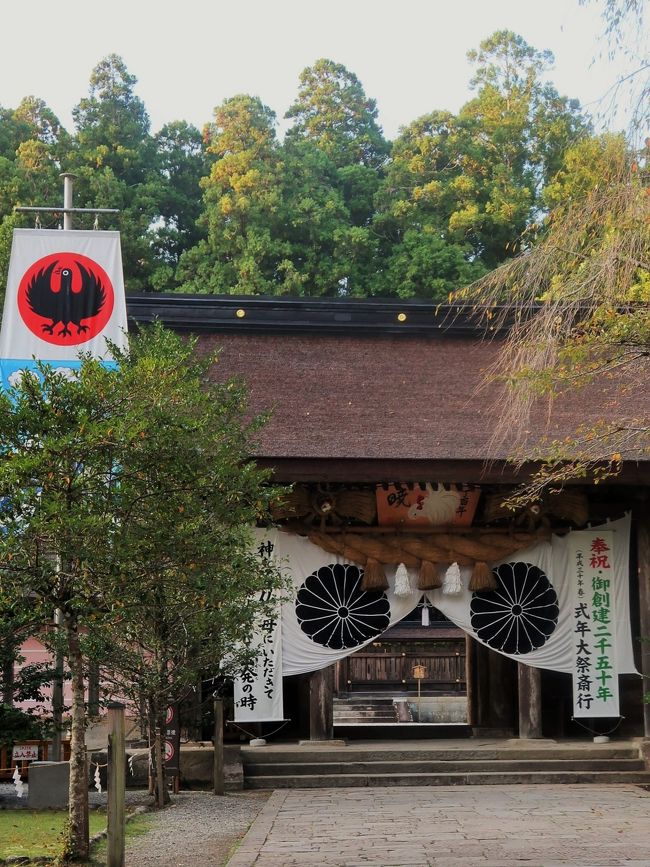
65	295
593	623
258	688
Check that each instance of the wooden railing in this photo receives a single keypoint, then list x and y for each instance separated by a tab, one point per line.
445	670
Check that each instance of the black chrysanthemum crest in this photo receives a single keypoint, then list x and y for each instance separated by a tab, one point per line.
334	611
521	614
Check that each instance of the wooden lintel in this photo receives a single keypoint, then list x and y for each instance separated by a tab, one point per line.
400	530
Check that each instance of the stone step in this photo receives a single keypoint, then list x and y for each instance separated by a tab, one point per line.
374	768
349	716
319	781
349	754
356	711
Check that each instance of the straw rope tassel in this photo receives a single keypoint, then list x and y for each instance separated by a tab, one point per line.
402	583
428	579
374	577
452	585
482	577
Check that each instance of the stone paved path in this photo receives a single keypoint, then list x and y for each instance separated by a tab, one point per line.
460	826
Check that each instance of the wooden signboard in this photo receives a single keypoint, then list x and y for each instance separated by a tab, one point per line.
427	505
172	742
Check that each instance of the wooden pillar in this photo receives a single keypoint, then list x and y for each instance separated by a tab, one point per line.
219	787
482	685
501	692
321	701
116	785
643	561
529	681
470	672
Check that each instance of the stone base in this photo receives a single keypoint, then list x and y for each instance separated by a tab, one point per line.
490	732
49	784
333	742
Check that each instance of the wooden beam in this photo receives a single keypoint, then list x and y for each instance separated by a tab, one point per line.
375	470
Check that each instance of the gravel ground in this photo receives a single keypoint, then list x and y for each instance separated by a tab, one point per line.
196	830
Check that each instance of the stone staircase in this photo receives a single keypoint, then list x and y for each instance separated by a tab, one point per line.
277	767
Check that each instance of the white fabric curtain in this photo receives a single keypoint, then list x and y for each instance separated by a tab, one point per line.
318	628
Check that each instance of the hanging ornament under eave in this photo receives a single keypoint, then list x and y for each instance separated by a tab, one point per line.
452	584
429	577
402	583
482	578
374	577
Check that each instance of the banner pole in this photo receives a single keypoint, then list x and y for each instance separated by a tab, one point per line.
68	183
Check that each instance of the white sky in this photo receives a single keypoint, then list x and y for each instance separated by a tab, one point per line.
188	55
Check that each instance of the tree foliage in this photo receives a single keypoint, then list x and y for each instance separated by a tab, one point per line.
333	209
580	302
579	295
130	495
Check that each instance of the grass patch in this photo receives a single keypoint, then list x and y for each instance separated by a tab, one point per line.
32	833
135	827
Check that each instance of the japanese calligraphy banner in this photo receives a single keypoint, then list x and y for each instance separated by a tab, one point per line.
595	664
65	295
258	688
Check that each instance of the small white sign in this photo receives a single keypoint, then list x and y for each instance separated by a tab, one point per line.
24	753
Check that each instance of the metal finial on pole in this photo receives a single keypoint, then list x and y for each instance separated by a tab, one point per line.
68	183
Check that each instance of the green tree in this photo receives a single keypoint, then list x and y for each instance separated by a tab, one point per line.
181	163
474	181
125	485
579	296
33	145
516	131
114	159
580	302
327	253
243	200
333	111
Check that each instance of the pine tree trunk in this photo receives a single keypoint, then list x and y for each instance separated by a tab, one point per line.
78	842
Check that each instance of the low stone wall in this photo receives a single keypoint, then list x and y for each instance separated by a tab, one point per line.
439	709
196	765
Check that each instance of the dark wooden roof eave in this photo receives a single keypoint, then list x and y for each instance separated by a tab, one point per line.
250	314
288	470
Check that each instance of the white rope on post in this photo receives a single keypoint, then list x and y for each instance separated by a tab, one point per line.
18	783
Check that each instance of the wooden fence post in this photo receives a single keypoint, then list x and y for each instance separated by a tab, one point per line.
218	747
116	784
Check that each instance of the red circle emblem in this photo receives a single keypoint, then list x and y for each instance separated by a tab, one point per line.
65	298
